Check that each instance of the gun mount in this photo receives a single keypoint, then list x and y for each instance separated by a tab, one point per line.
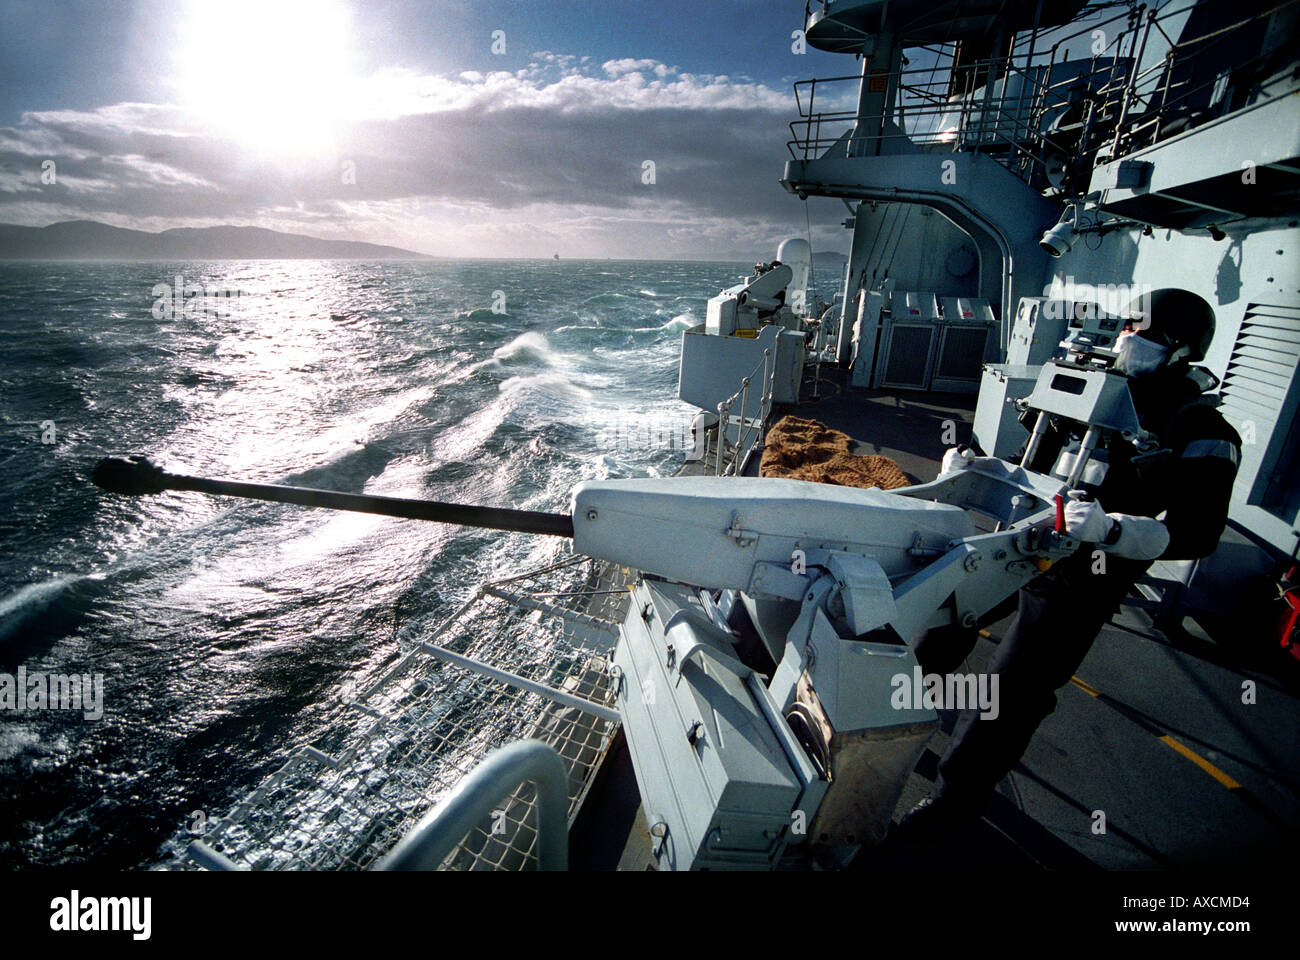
745	760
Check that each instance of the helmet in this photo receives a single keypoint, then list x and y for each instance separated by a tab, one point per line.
1179	317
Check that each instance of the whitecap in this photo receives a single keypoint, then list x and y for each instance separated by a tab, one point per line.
550	383
525	348
31	601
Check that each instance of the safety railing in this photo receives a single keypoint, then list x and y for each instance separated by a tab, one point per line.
1140	85
1171	94
1005	118
436	836
729	458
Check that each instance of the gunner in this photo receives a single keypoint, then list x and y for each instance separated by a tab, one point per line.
1186	484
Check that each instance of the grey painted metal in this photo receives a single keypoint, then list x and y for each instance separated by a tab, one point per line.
724	416
794	753
1036	437
841	684
997	428
1039	328
1169	135
1001	213
505	676
711	531
1090	440
435	836
1096	397
687	646
210	859
716	785
899	336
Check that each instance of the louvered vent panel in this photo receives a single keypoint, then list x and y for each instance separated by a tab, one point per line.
962	356
1258	379
908	362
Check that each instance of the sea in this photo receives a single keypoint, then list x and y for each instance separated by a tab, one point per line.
223	633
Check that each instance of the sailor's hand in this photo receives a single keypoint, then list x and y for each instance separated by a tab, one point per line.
954	459
1085	520
1121	535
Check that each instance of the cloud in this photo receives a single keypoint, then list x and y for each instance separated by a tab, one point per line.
516	163
617	68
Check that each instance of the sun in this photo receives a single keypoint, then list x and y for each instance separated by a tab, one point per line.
276	76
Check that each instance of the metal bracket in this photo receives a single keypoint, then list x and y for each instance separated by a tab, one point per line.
658	835
691	646
737	532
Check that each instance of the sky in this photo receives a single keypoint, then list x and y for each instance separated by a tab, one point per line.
627	129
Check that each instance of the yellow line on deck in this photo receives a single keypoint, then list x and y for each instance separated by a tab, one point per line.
1201	762
1089	690
1167	740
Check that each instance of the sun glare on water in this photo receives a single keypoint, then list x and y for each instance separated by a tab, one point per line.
272	75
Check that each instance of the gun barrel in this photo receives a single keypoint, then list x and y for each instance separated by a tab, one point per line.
133	476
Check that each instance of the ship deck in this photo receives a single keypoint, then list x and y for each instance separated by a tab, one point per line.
1152	732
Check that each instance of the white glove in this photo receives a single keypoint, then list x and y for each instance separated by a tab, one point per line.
1140	538
954	459
1085	520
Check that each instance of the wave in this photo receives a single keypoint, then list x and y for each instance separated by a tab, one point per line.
16	740
608	297
48	607
547	383
483	313
525	348
683	321
569	327
200	602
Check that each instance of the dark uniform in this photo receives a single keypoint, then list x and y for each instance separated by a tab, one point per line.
1061	612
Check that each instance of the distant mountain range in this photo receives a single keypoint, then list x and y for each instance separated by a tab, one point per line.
88	240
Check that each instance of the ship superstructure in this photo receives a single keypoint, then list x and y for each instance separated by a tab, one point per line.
1056	159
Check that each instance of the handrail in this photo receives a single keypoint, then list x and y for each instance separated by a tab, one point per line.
439	831
1002	121
1127	105
744	422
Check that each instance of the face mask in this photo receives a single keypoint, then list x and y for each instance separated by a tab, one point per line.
1138	356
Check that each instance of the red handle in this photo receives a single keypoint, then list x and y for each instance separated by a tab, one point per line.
1060	515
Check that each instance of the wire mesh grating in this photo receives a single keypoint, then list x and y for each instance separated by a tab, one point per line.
424	723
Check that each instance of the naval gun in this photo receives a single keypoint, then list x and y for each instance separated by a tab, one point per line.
741	766
776	292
